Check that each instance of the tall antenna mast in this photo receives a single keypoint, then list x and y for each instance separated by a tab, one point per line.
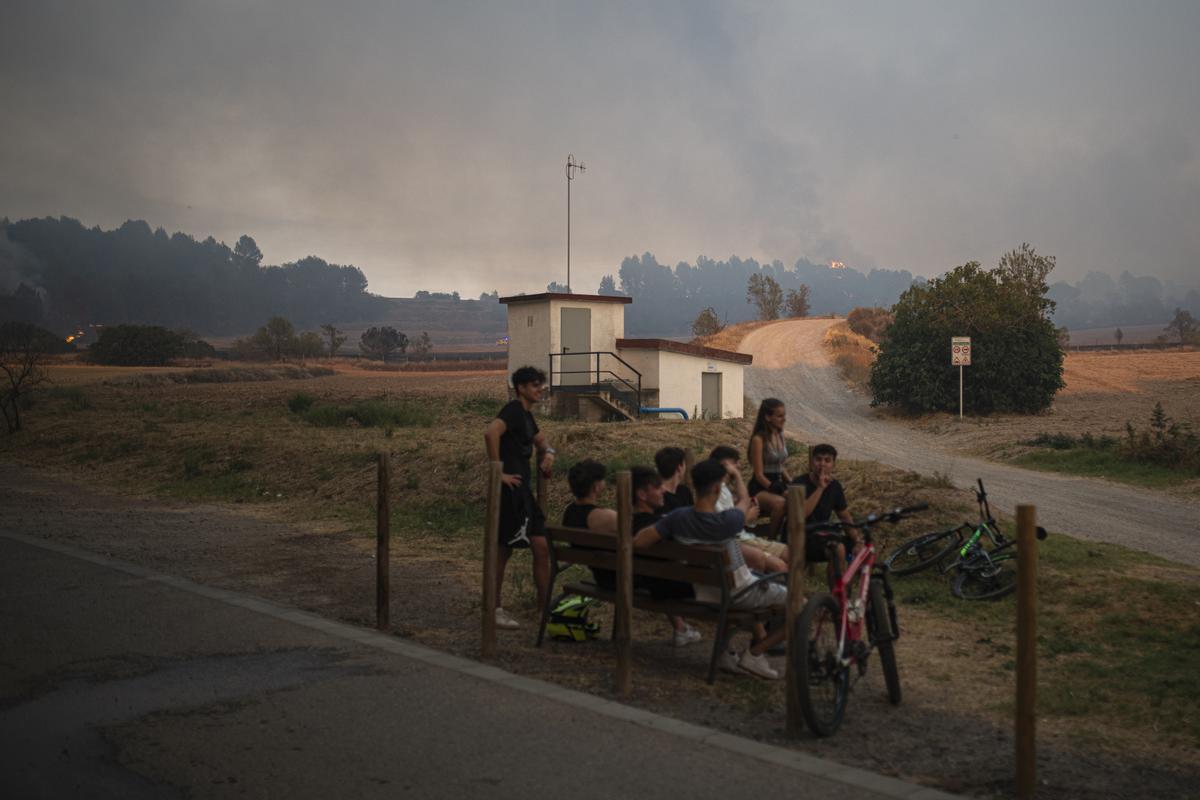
572	167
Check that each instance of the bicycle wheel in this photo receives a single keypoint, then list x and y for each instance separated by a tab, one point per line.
923	552
880	628
986	578
824	684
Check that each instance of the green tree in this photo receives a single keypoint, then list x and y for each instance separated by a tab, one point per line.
382	342
309	345
707	323
1184	326
277	337
421	346
247	250
765	293
335	337
140	345
797	302
1025	269
1016	357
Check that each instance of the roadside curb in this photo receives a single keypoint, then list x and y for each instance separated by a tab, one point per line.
779	756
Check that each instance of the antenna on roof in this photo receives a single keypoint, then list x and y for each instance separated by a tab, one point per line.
572	166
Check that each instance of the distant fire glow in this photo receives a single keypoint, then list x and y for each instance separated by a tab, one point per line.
837	264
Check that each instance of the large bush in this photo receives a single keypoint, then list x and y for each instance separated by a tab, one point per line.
141	345
869	322
1016	357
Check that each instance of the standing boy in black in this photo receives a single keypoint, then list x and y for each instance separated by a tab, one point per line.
511	438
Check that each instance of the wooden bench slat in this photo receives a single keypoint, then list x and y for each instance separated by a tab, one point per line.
650	567
696	554
693	609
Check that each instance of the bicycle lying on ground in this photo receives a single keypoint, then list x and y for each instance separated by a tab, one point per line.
841	631
981	572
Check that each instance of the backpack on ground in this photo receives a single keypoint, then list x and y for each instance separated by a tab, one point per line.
569	619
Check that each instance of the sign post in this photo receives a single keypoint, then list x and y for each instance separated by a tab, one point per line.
960	356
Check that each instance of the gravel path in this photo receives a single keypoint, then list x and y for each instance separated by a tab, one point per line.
791	363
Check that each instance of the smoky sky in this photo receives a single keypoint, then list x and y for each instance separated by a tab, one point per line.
425	142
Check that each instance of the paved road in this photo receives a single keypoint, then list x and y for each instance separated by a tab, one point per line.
790	362
118	682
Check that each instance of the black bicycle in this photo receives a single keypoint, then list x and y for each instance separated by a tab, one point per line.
983	559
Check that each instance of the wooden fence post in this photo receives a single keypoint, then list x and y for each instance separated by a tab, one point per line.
383	535
795	536
491	557
624	610
1026	650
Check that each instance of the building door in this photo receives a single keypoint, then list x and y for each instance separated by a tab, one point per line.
710	395
575	329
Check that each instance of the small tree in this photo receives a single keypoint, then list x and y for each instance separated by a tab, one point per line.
797	302
1119	335
23	349
421	346
1184	326
247	250
1026	270
870	322
277	338
382	342
335	337
765	293
707	323
309	345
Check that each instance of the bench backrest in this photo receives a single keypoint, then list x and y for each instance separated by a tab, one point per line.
700	564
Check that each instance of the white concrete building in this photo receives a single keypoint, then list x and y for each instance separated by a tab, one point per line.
597	373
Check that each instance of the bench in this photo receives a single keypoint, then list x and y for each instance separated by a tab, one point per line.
699	565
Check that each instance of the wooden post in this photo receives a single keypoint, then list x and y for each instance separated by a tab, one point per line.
689	461
491	558
383	535
795	535
624	611
1026	650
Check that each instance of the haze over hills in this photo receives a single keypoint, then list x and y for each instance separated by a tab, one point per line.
62	275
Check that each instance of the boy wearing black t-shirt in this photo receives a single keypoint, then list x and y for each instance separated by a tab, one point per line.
510	439
823	497
670	464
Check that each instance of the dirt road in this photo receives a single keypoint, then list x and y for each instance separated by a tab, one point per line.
790	363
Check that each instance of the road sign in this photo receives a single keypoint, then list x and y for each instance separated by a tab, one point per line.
960	351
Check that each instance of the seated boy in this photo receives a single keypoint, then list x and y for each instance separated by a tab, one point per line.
670	463
648	492
824	497
764	555
703	524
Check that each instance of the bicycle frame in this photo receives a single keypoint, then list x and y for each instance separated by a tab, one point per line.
852	631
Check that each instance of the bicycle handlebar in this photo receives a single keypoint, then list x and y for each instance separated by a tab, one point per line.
893	516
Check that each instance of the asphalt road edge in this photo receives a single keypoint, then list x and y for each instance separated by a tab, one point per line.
800	762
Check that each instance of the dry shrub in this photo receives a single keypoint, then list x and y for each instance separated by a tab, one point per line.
730	337
869	322
854	354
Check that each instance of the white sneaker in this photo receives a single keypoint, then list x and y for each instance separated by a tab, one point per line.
728	662
686	636
758	666
505	621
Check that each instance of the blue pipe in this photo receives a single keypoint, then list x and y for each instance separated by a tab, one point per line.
648	410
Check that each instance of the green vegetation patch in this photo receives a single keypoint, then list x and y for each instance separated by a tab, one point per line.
380	413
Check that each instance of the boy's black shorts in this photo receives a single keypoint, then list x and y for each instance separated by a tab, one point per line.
520	517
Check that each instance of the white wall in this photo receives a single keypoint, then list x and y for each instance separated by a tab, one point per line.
677	378
530	346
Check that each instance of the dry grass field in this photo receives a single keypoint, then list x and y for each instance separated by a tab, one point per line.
1120	671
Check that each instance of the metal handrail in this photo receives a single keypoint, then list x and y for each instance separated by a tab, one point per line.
637	390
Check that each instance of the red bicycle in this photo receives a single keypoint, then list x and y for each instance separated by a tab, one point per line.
842	630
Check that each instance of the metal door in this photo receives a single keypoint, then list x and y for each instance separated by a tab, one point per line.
710	395
575	327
